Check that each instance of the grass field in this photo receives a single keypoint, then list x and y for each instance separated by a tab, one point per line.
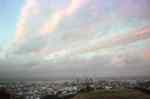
113	94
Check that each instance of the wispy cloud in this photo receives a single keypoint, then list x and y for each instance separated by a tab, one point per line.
54	20
31	8
101	44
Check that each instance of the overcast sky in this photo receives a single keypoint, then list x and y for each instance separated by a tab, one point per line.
74	38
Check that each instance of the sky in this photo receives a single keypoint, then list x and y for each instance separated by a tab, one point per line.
74	38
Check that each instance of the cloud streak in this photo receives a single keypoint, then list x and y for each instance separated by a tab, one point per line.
53	22
30	9
101	44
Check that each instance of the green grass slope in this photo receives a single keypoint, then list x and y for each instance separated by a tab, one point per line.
113	94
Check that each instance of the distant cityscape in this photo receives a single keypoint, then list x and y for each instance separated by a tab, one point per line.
66	89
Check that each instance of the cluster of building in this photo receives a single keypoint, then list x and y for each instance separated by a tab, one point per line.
39	89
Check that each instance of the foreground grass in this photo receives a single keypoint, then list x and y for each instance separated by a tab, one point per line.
113	94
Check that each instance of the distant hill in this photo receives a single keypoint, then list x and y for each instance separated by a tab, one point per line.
113	94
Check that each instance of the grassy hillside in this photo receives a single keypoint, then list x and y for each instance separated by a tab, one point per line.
113	94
